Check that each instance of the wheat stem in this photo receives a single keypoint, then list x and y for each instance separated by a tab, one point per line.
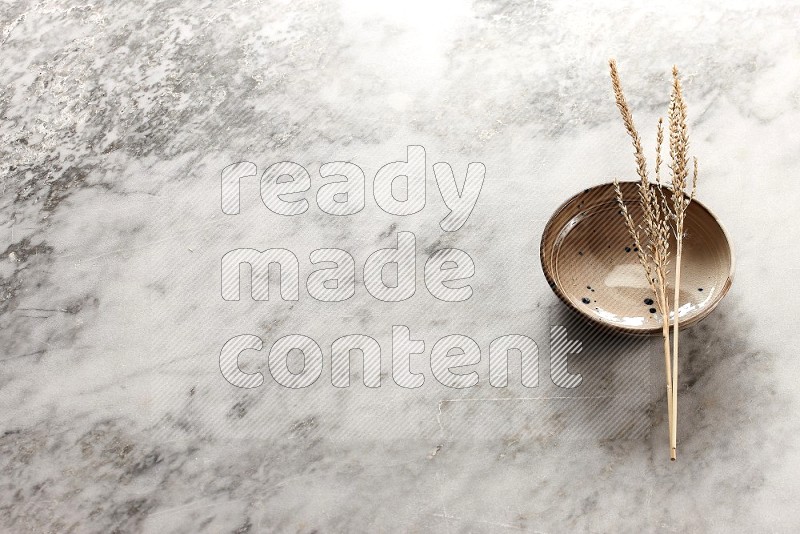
653	250
660	219
679	144
667	365
673	440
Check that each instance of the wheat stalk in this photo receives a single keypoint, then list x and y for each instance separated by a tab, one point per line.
660	219
679	170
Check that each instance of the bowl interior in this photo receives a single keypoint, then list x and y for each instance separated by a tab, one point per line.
591	262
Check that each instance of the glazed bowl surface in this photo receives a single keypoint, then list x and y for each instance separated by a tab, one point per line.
591	263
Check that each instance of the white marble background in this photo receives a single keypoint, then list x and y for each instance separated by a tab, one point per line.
117	118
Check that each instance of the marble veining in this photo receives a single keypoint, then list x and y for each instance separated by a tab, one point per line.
117	119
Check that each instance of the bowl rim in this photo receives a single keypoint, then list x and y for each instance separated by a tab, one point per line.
614	327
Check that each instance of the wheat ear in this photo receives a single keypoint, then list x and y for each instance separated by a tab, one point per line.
654	255
679	170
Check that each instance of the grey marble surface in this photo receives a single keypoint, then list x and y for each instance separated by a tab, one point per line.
117	119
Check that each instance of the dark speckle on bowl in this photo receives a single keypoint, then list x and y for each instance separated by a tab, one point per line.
649	302
585	300
652	310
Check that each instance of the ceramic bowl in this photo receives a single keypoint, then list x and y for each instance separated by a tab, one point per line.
590	262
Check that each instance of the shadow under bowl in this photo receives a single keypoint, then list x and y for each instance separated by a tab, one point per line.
591	263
